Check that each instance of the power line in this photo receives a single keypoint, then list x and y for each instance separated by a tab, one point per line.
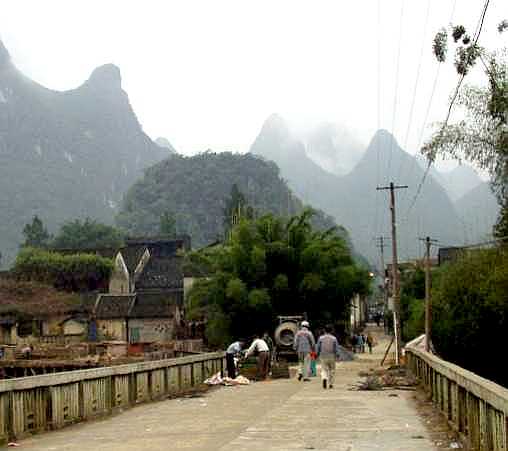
418	71
378	145
454	98
429	105
394	113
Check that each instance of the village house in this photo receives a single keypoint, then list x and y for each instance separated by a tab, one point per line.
144	302
146	292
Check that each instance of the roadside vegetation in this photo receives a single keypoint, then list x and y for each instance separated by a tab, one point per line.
470	312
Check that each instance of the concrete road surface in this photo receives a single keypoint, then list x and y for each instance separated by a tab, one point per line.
273	415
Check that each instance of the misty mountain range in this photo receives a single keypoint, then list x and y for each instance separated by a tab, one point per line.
66	155
75	154
454	207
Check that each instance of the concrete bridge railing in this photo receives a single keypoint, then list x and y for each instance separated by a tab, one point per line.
51	401
475	407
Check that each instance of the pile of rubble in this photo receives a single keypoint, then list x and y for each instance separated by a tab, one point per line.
394	377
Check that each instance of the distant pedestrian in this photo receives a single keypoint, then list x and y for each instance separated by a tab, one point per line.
259	347
328	352
354	342
234	350
364	342
26	351
359	343
370	342
304	345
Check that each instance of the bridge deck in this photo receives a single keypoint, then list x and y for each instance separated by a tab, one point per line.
272	415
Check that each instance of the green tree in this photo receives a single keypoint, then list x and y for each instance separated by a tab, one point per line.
272	266
412	303
87	234
482	136
470	311
167	225
36	234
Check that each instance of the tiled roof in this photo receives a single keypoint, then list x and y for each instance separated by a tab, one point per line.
111	306
162	247
132	254
164	273
156	305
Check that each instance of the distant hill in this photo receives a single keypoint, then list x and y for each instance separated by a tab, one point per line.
65	155
460	181
306	178
334	148
195	189
456	182
478	210
163	142
352	199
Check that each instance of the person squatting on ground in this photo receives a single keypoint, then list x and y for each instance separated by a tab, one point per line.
328	352
304	345
234	349
260	347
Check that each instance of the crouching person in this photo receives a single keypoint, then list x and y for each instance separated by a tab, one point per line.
328	352
234	350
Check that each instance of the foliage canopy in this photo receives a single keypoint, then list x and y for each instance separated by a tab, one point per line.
77	272
87	234
273	266
470	311
481	137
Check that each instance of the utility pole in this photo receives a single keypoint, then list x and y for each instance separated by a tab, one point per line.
381	245
428	307
395	271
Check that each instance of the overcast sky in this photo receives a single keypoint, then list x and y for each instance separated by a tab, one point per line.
206	74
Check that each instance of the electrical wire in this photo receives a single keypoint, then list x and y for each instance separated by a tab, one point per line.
415	89
395	96
450	107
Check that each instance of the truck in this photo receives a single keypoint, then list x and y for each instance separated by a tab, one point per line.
284	337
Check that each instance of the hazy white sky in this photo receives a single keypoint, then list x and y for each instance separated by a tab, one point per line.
206	74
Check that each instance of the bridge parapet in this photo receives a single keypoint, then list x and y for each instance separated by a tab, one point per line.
475	407
51	401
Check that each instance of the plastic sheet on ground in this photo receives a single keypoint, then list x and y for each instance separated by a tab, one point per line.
217	379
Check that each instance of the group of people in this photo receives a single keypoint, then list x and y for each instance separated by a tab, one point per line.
359	341
260	346
326	350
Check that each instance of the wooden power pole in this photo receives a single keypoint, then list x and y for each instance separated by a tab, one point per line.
395	271
428	305
381	245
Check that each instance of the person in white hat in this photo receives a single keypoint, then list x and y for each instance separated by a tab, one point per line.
304	344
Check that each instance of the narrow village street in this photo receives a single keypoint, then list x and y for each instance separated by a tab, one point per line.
274	415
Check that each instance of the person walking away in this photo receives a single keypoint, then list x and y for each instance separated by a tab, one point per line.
262	350
328	352
304	345
234	349
360	344
364	342
370	342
